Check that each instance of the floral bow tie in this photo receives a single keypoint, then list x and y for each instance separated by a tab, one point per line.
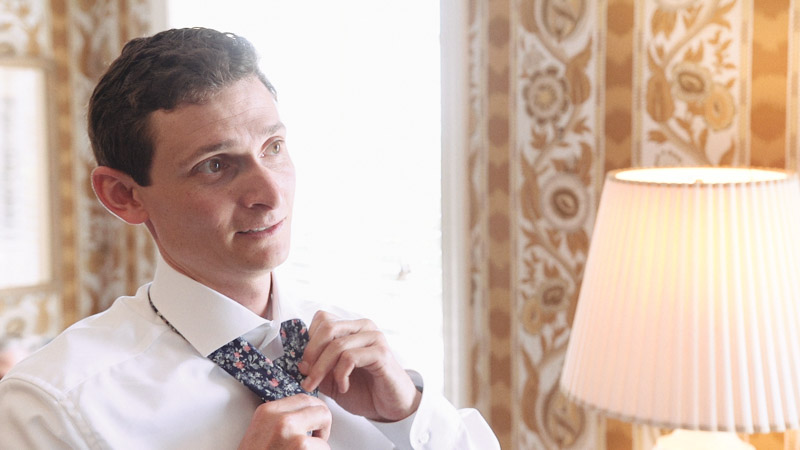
270	380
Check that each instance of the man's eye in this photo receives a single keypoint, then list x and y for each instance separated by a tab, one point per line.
274	148
210	166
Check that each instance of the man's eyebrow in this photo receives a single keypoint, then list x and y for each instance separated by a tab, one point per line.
274	128
222	145
211	148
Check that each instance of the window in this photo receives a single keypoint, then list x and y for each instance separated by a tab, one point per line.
25	219
358	87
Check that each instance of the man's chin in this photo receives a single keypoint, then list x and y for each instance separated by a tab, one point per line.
267	264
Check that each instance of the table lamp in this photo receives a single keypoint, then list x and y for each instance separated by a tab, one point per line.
689	311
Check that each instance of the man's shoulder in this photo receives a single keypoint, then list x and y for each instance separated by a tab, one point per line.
92	346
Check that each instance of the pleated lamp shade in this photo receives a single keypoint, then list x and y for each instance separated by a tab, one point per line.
689	311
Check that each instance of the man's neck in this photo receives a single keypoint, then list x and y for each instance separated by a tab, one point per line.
256	301
254	293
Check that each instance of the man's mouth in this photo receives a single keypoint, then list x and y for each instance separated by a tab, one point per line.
268	229
255	230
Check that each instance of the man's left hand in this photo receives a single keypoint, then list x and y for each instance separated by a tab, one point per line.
351	362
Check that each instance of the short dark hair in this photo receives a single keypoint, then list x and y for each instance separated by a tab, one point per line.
164	71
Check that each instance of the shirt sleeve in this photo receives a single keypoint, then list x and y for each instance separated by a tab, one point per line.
437	424
34	419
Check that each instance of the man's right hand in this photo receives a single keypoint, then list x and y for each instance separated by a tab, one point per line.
297	422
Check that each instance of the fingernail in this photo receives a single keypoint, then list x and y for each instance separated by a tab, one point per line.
303	366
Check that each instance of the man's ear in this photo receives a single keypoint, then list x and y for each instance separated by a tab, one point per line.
118	192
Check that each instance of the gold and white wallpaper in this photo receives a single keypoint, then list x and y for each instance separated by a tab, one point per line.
554	175
560	92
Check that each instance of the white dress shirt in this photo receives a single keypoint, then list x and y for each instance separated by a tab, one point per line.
123	379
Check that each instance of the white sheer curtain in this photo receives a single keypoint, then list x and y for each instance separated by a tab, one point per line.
358	87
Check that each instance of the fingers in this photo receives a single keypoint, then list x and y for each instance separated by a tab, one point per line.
299	421
326	326
299	414
350	361
343	355
337	347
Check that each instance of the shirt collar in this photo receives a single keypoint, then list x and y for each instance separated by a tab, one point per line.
204	317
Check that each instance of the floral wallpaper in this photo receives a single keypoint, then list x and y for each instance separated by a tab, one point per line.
560	92
554	180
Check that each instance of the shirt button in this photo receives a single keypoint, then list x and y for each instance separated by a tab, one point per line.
424	438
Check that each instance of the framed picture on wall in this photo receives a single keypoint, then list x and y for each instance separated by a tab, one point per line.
26	253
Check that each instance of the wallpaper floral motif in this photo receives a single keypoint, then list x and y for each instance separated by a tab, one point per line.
23	29
557	150
692	87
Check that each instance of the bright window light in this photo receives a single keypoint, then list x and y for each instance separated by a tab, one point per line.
358	88
24	186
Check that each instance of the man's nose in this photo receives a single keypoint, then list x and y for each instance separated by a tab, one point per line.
261	187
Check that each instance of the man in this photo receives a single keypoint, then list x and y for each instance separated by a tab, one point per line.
188	141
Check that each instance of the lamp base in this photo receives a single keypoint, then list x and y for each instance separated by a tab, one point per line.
701	440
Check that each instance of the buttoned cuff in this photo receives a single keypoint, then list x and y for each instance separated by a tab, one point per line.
436	419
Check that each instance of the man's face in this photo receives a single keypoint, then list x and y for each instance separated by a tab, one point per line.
220	202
